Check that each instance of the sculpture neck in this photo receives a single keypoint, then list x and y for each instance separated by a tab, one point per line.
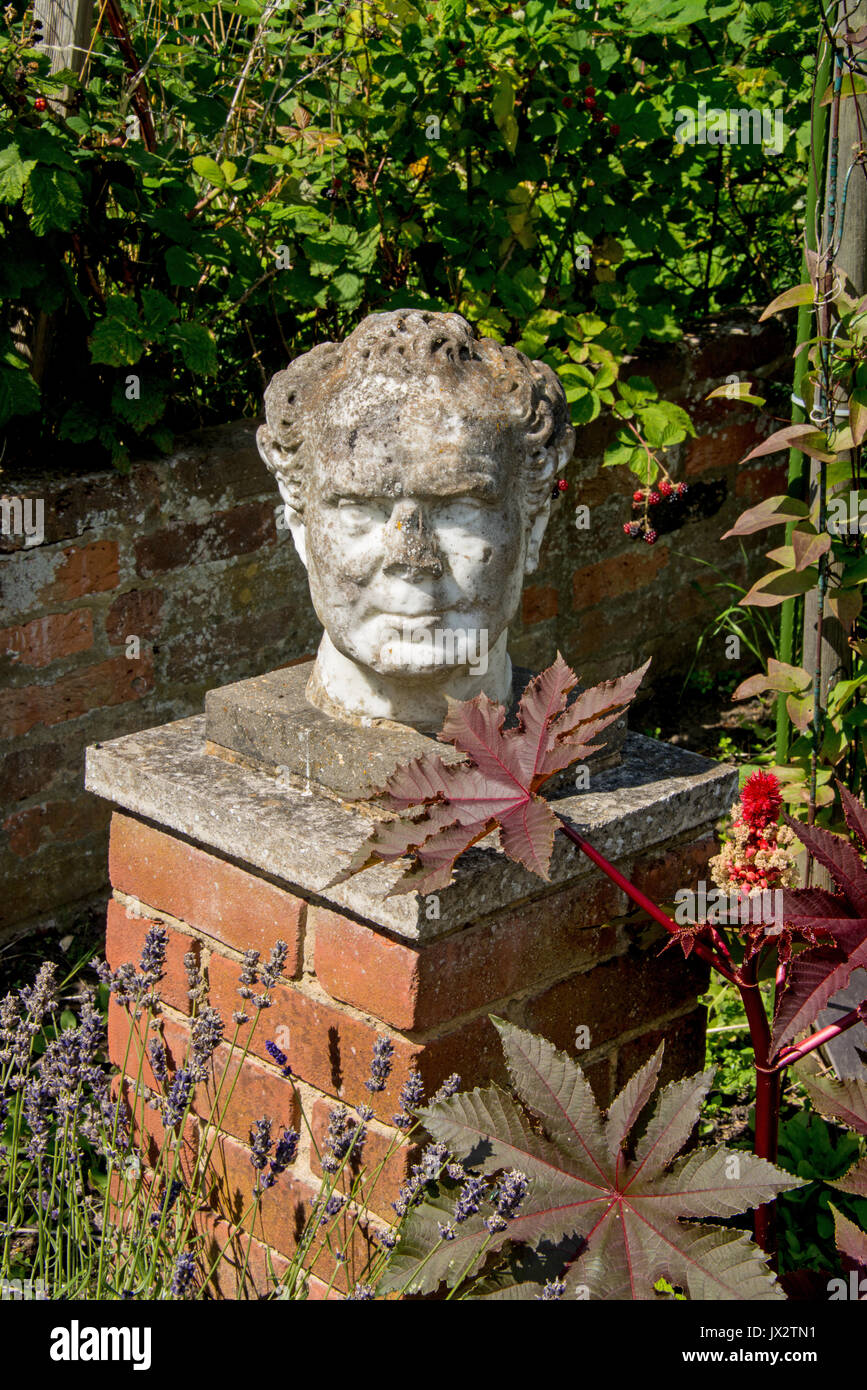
340	687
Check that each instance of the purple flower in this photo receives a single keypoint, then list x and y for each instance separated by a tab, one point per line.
555	1288
469	1198
361	1292
195	977
185	1270
153	956
411	1097
272	971
285	1153
260	1143
207	1034
279	1056
511	1192
176	1187
174	1106
159	1061
342	1130
448	1088
380	1067
40	998
334	1205
248	973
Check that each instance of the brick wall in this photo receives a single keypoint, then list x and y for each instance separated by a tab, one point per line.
571	957
184	555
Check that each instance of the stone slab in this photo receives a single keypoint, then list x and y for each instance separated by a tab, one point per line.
267	721
656	793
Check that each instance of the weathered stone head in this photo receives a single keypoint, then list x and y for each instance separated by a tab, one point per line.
416	462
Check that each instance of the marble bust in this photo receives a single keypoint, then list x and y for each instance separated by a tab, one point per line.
416	462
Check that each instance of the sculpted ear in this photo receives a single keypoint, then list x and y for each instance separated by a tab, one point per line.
535	537
281	463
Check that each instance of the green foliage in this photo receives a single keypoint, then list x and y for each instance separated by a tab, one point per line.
820	1153
313	166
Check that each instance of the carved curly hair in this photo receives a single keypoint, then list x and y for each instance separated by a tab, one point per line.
383	351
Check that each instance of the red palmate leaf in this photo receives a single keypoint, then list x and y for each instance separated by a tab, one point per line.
446	808
839	857
837	922
631	1217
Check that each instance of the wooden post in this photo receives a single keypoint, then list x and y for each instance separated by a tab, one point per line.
67	26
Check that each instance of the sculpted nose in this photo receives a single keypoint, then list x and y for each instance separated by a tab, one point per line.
409	547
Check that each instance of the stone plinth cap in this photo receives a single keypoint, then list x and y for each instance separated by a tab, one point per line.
267	721
656	793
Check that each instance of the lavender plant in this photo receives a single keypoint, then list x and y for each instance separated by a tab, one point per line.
91	1207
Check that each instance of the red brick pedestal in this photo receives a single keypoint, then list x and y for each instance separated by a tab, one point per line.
227	860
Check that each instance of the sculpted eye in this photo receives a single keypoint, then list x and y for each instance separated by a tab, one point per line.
359	515
463	511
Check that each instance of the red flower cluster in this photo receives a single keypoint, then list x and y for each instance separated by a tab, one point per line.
761	800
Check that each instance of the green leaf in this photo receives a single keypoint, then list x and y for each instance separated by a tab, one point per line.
159	311
789	299
14	173
19	394
181	267
53	200
197	347
118	339
209	169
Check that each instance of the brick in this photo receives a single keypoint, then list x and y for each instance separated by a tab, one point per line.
325	1045
735	350
149	1134
85	569
283	1210
84	502
684	1040
419	988
383	1162
238	531
211	653
615	998
620	574
26	772
128	1038
134	614
125	936
65	821
660	875
249	1092
715	453
48	639
112	682
756	483
238	908
539	603
237	1265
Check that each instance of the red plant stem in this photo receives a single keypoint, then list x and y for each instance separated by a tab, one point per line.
767	1092
833	1030
646	904
746	981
